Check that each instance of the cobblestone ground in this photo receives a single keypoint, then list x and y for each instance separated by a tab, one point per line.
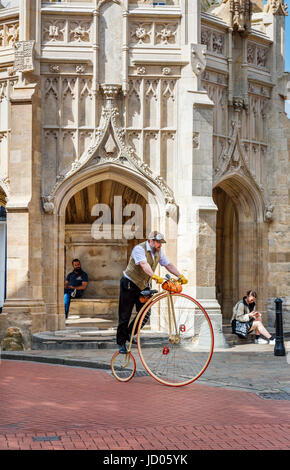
47	406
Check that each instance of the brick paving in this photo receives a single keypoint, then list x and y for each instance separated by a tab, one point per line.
88	409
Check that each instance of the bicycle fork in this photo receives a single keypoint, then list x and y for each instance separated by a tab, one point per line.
173	338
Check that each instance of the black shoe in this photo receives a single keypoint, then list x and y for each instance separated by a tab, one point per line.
123	349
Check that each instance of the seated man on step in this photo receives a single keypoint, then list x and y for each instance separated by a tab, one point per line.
74	285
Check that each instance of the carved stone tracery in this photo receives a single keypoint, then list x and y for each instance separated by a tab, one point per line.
66	30
9	34
166	33
233	159
109	146
214	40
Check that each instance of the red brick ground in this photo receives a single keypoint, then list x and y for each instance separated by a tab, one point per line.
89	409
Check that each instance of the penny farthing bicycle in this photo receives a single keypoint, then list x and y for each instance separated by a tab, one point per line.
177	347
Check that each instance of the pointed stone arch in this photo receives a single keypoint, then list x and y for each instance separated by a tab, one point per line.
54	221
241	241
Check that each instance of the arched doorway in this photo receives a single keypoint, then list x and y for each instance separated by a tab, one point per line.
104	253
2	249
240	244
227	279
56	222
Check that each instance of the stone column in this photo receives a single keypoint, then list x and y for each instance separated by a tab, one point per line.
278	167
24	306
196	254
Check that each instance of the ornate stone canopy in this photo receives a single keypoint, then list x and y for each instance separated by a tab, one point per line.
109	147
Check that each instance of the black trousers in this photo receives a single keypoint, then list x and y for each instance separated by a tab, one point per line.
129	296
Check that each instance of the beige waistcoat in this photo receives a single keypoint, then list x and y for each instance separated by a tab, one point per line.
136	273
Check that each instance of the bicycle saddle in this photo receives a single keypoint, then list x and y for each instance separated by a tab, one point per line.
148	292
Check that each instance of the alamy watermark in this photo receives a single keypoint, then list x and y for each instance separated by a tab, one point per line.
110	224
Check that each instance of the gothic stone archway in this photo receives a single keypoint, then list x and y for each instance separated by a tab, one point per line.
103	259
241	251
55	222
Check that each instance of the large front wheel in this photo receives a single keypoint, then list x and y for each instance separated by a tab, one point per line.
176	349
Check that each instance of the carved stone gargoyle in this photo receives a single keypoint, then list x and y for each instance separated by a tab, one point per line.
276	7
237	13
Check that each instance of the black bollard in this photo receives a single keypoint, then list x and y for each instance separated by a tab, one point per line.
279	349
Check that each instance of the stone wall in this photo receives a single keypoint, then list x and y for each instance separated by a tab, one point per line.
192	102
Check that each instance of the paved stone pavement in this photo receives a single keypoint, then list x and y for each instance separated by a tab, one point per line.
240	402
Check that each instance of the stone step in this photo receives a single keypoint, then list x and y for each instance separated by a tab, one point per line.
90	322
88	334
234	340
75	338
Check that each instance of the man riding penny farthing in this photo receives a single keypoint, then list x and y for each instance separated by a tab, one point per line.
177	346
143	261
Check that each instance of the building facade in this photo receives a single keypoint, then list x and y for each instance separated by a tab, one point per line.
176	107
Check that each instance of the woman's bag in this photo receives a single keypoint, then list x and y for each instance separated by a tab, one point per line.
241	328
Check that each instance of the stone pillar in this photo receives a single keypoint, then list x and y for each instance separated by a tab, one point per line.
53	270
24	306
278	165
196	228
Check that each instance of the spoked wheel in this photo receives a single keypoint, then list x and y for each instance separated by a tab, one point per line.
123	366
181	357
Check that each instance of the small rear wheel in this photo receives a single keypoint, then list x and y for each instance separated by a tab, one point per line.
123	366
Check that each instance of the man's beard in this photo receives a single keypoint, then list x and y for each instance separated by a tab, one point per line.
78	270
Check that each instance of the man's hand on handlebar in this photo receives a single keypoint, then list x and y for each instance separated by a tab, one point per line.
158	279
182	279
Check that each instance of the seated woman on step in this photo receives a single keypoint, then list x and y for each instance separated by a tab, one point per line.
244	311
